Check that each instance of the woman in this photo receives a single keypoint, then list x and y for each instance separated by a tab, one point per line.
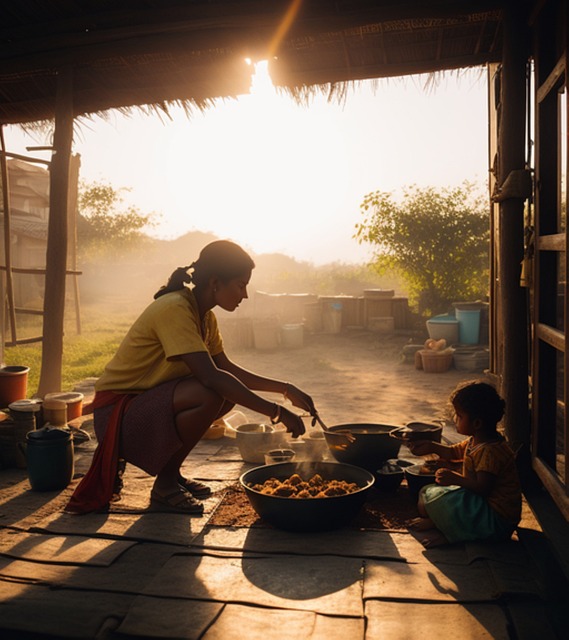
171	379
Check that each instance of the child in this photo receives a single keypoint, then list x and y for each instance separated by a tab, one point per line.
484	501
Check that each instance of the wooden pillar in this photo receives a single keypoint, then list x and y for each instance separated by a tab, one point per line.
56	257
511	157
7	247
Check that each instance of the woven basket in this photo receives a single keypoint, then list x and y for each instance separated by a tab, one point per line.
435	362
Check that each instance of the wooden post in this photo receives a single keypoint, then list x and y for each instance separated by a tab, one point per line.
56	257
74	167
511	156
7	242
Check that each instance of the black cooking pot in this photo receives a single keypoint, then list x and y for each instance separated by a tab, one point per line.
416	480
307	514
414	431
369	446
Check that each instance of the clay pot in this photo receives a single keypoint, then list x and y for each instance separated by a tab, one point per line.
13	384
73	400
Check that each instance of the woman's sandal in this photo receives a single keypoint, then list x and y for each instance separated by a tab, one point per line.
177	502
197	489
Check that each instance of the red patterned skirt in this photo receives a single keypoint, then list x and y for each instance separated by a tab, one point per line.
148	436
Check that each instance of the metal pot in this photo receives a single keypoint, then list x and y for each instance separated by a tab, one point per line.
370	446
417	480
307	514
419	431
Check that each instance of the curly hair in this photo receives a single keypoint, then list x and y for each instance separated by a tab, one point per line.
479	400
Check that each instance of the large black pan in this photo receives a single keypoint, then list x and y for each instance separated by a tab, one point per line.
307	514
369	447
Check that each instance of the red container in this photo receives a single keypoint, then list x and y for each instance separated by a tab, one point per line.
73	399
13	384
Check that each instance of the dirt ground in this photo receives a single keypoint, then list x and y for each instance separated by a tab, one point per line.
358	376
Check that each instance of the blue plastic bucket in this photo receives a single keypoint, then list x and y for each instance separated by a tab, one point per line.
468	325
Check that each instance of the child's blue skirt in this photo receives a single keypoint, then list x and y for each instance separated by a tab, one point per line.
462	515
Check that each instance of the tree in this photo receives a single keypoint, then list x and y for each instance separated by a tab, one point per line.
109	224
436	240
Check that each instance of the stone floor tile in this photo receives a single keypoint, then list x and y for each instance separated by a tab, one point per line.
410	621
328	585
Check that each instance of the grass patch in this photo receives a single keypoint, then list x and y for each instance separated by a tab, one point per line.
84	355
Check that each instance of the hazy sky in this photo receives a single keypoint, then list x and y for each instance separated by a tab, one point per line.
278	177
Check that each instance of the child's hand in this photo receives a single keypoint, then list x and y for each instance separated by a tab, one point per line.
420	447
446	477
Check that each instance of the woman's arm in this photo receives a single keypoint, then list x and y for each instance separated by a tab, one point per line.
230	387
260	383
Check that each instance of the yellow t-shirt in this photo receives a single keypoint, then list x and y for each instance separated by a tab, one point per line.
149	354
498	459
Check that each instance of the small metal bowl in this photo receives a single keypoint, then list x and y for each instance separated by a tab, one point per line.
279	455
389	476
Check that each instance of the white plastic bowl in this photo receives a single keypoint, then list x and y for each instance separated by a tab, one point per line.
255	439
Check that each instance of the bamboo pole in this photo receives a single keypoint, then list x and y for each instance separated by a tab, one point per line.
56	257
72	229
7	240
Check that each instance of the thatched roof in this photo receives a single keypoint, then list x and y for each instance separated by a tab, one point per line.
154	52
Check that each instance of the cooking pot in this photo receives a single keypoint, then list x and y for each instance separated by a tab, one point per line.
416	480
369	447
419	431
307	514
389	476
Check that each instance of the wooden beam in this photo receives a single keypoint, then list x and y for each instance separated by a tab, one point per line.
552	336
555	77
553	486
511	156
7	241
56	257
551	242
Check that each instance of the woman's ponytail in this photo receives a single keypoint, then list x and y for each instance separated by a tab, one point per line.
221	258
179	278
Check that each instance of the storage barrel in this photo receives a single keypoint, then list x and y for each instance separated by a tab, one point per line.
331	316
444	327
469	325
292	336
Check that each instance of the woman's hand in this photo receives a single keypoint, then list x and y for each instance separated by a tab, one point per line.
292	422
299	399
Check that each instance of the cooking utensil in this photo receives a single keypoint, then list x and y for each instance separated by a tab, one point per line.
368	446
307	514
345	432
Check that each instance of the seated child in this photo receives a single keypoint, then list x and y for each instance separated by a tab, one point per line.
483	502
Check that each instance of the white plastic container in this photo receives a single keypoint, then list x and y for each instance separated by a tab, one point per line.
231	421
255	439
292	336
